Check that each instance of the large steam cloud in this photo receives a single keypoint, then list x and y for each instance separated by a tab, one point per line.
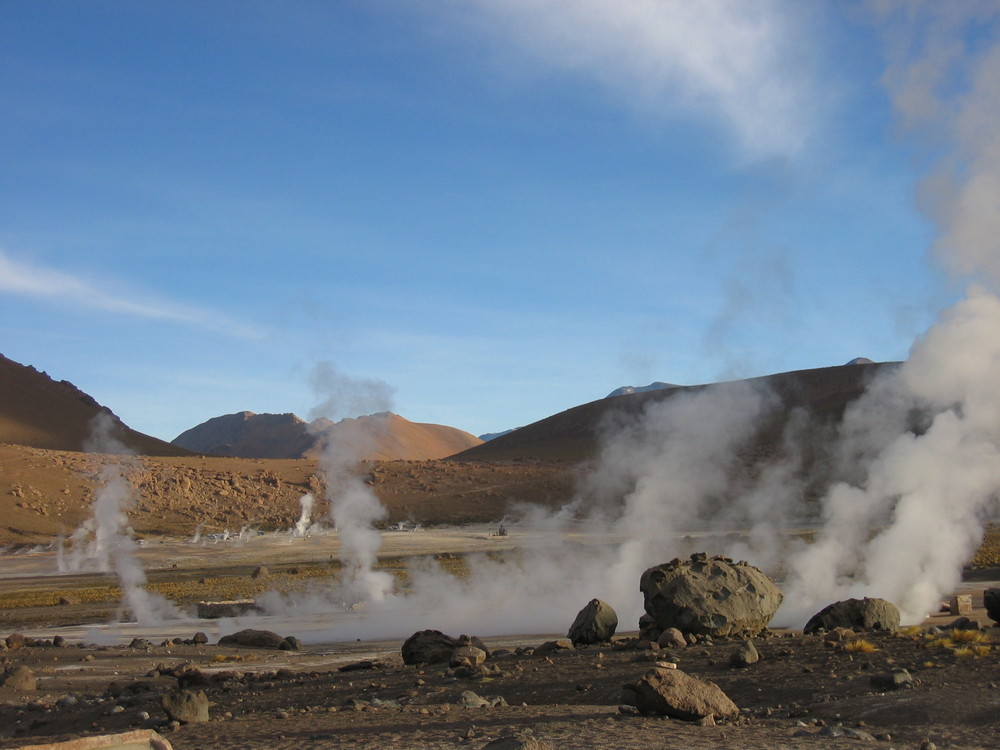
904	484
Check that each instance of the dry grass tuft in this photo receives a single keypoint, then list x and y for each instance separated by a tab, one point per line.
969	636
860	646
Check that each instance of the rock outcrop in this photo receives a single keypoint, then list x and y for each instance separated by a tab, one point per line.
707	596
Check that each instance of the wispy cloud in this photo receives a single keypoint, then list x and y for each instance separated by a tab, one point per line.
32	280
737	62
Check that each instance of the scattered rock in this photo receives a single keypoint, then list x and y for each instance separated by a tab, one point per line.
186	706
744	655
839	635
473	640
259	572
199	638
428	647
671	692
467	656
595	623
838	730
708	596
671	638
857	614
559	644
897	679
15	640
472	699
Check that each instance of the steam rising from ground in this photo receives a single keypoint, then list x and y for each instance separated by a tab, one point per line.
104	541
900	488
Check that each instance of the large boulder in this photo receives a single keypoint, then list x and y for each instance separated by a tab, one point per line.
428	647
595	623
671	692
254	639
708	596
856	614
991	600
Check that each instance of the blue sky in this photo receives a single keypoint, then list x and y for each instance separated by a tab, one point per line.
497	209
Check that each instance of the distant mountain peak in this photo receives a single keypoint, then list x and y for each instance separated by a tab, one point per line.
390	436
861	361
626	390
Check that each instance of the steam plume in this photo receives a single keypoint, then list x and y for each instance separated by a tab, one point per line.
104	541
354	508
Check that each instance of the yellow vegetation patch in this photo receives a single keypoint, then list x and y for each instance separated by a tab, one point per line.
860	646
969	636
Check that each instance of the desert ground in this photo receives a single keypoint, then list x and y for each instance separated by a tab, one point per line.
803	692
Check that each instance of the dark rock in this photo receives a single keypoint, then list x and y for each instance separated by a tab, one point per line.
897	679
428	647
595	623
856	614
186	706
709	596
671	692
259	572
991	600
199	638
559	644
253	639
290	643
358	666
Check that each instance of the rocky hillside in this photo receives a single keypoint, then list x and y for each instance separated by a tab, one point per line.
572	435
382	436
40	412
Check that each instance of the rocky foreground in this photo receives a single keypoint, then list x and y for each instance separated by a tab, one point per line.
919	687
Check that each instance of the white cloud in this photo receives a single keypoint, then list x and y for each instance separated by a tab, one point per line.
944	80
742	63
32	280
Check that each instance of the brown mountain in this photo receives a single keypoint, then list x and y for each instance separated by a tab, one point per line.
40	412
572	435
385	436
